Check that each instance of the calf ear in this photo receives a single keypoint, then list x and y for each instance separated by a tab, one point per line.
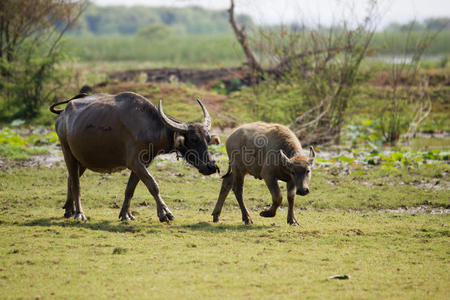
179	141
215	140
284	160
312	156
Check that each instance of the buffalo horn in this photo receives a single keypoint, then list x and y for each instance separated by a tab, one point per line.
207	121
179	127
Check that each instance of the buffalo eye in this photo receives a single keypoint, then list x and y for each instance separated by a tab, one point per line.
194	139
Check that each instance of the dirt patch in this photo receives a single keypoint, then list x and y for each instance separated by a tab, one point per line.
198	77
208	77
437	77
36	161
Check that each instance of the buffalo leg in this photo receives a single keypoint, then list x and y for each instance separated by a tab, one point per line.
274	189
69	206
238	185
227	183
164	214
74	168
125	213
291	189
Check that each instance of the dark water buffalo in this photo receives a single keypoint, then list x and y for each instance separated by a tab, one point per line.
107	133
270	152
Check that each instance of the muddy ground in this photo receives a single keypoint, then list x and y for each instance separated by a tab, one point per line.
208	77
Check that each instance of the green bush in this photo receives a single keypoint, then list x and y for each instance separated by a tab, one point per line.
156	31
268	102
29	81
17	147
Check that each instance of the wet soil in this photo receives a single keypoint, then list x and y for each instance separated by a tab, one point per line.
208	77
202	78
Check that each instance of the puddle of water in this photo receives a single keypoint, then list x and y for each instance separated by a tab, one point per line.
422	209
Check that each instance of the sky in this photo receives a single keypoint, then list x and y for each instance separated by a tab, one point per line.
310	11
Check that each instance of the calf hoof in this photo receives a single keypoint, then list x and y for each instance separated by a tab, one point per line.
80	216
166	218
165	215
126	216
267	213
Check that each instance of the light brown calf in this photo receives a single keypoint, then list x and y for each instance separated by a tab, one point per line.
270	152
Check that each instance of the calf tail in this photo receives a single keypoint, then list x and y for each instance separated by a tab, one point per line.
228	172
58	111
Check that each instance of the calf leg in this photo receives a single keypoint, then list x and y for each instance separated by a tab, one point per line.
125	213
291	189
69	206
164	214
238	184
227	183
274	189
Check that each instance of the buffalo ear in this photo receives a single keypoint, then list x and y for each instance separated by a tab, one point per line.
215	140
284	160
312	156
179	141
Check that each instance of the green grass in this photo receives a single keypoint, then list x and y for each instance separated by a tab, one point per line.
389	42
221	50
20	153
386	255
208	50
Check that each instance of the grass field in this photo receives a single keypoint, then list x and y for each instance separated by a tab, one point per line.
344	230
385	226
219	50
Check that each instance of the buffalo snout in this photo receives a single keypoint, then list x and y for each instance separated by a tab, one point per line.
209	168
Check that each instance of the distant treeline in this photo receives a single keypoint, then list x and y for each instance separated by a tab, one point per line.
192	36
107	20
427	24
123	20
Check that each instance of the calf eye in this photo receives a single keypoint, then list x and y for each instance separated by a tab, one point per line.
307	171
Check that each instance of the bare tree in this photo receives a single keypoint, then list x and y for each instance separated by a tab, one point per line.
252	62
324	64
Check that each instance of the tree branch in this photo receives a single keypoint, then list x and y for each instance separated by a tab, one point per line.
242	38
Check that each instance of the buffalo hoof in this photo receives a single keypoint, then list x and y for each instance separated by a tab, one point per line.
80	216
215	218
68	214
126	216
267	213
248	221
293	222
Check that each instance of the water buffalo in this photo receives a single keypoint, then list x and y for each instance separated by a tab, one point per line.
270	152
108	133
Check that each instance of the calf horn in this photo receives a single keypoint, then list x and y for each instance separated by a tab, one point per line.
179	127
207	121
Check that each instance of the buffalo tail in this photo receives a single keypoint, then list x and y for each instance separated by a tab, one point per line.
58	111
228	172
